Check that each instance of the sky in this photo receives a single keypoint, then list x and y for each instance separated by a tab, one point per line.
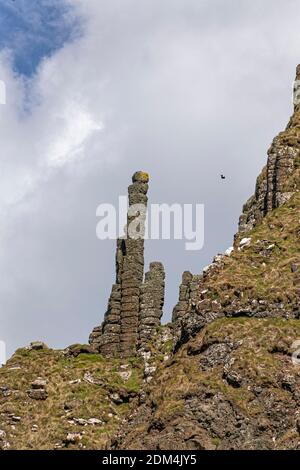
183	89
35	29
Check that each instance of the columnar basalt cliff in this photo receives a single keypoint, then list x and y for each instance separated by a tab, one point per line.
274	186
134	307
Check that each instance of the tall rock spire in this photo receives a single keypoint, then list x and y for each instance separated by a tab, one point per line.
134	308
132	271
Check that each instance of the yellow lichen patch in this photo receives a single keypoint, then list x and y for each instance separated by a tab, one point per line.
140	177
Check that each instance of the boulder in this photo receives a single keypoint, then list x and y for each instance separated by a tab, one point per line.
38	346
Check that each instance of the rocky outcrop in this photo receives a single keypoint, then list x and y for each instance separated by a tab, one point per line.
272	190
152	296
134	307
106	338
38	390
184	297
260	278
274	187
198	305
255	208
233	387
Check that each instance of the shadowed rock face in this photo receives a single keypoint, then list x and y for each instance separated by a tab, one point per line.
134	307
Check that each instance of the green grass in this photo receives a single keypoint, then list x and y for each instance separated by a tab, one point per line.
90	401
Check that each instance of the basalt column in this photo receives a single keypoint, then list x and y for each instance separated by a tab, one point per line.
182	305
151	302
135	305
132	269
106	338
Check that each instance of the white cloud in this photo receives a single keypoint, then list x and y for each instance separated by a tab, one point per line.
76	126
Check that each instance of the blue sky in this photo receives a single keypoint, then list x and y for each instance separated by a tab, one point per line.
34	29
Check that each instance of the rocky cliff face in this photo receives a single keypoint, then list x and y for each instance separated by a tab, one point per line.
233	386
220	376
278	181
260	278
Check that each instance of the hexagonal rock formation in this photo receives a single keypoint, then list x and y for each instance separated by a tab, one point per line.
134	308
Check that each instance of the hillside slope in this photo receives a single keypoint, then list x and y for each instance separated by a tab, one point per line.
52	400
73	398
221	376
233	386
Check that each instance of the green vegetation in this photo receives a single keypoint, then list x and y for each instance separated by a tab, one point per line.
71	396
262	347
262	271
